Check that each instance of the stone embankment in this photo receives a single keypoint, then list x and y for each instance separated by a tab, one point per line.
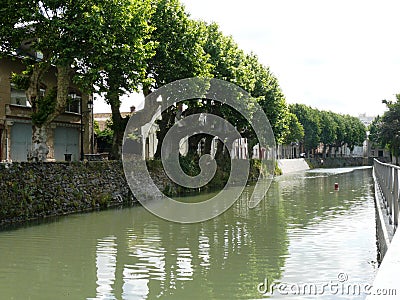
339	162
31	191
292	165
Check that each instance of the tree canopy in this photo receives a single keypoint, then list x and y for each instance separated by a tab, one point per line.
115	47
84	40
330	129
385	130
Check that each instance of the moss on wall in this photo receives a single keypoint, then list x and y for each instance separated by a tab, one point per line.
31	191
338	162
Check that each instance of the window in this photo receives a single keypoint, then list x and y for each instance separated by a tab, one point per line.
74	103
18	97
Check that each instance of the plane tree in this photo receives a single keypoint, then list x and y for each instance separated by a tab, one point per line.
355	132
178	54
310	121
328	128
296	132
68	34
386	129
119	67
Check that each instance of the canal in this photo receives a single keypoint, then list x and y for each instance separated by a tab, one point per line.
304	232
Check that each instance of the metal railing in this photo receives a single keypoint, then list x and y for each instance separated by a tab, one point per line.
387	177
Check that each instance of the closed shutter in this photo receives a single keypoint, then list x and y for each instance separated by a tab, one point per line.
21	141
66	141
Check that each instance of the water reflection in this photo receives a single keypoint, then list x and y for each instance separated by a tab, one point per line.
106	258
304	231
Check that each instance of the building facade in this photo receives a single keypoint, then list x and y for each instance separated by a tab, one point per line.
68	134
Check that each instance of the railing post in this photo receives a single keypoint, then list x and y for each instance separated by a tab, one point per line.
396	198
388	195
387	179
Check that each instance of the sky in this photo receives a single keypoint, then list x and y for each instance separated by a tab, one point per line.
342	56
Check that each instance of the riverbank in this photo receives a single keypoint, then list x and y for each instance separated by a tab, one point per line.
302	164
31	191
338	162
292	165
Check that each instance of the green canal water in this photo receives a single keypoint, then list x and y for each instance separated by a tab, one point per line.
304	232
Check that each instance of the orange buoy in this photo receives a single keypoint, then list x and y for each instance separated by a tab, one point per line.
336	186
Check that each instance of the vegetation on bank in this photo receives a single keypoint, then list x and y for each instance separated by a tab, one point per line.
338	162
385	130
30	191
190	166
329	128
34	191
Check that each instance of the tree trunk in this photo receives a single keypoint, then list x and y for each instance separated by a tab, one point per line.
64	73
116	148
32	93
117	125
193	142
207	144
219	154
166	122
39	148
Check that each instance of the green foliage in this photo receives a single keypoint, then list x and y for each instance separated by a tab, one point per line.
277	171
154	165
386	129
21	81
103	200
329	128
46	106
102	43
374	132
296	130
255	169
146	44
309	119
355	131
190	165
230	63
179	44
104	137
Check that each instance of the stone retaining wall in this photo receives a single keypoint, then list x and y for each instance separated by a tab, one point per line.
292	165
339	162
30	191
